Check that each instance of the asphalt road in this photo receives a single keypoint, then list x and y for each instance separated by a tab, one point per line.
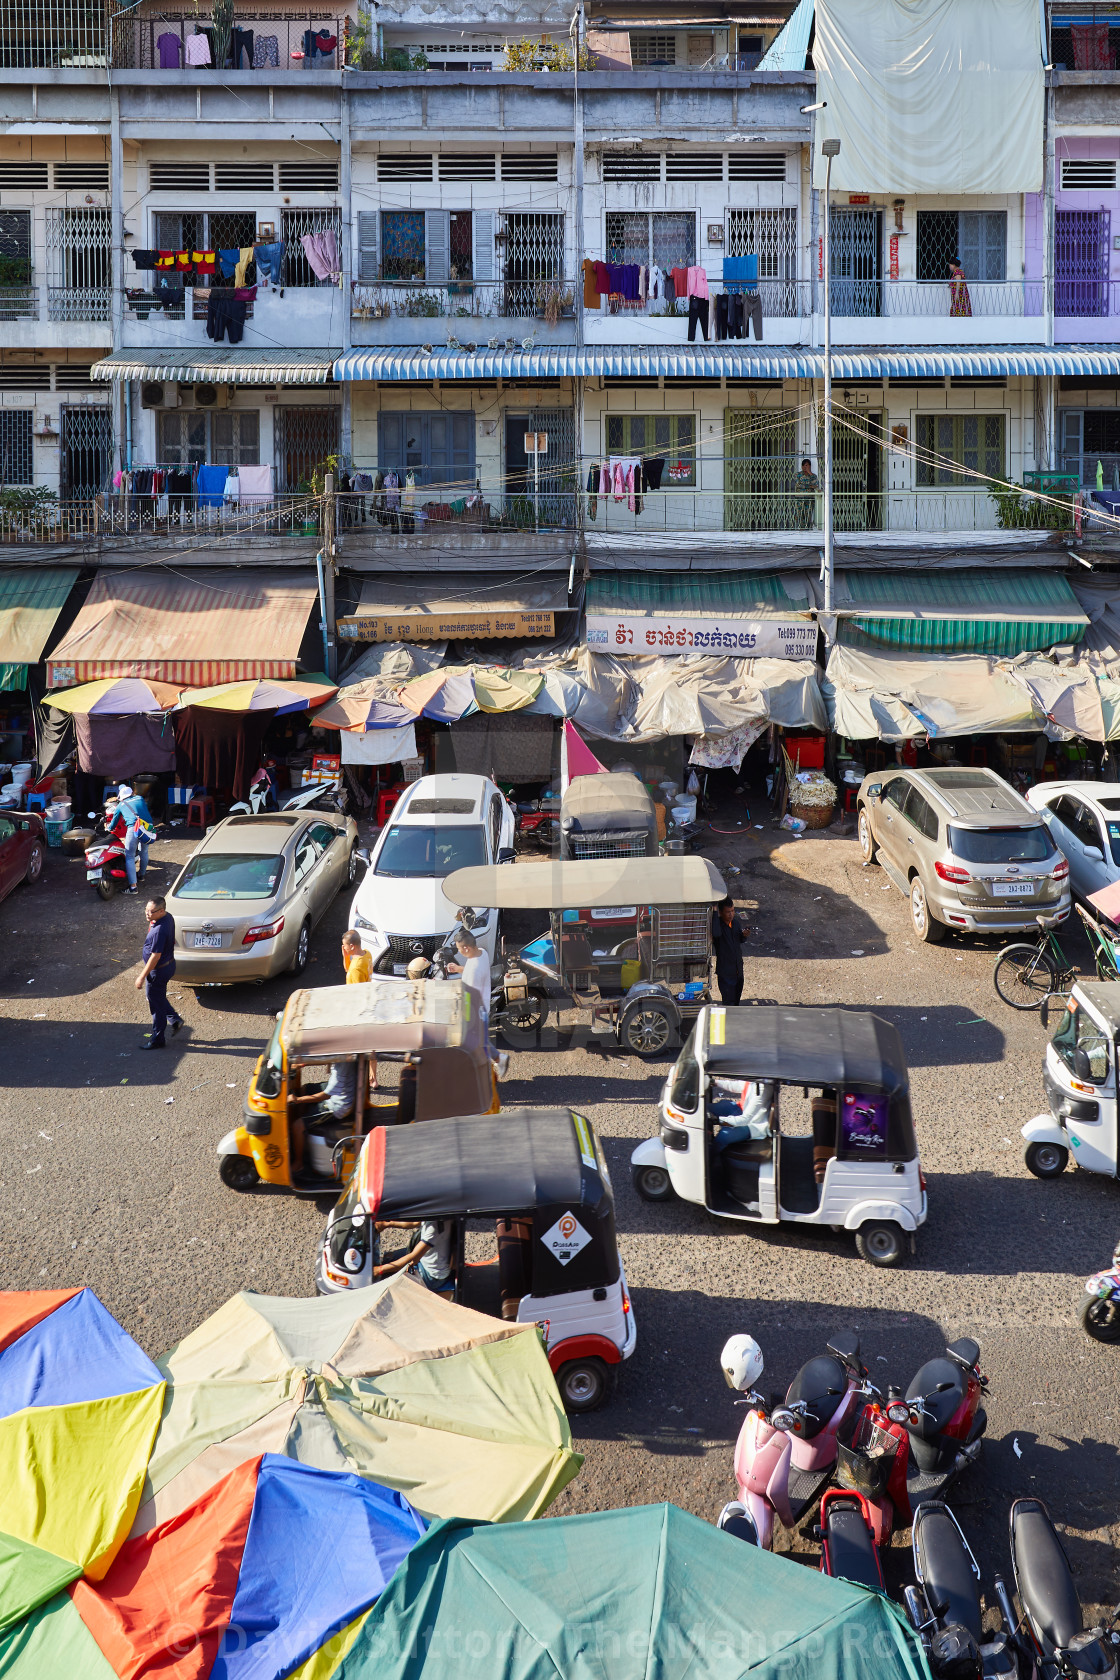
108	1176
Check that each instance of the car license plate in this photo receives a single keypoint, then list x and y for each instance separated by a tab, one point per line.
400	968
211	941
93	874
1013	889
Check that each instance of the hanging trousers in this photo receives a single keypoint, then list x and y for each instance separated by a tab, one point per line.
697	311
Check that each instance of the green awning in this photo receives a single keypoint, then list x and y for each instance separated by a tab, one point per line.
707	594
1002	613
30	601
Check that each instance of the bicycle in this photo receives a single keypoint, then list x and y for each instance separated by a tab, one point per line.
1025	975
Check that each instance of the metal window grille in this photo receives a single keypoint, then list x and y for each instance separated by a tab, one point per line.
22	177
1081	261
666	237
618	843
549	498
857	479
680	934
672	437
653	49
81	177
78	264
760	463
15	248
694	166
37	34
467	166
971	445
405	166
1089	174
235	436
183	438
976	239
297	271
16	458
631	166
529	166
85	451
534	258
303	438
313	175
856	261
1086	45
756	166
771	234
179	177
402	245
1089	436
245	177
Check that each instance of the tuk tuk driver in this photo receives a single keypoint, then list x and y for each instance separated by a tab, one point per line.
728	937
429	1258
336	1101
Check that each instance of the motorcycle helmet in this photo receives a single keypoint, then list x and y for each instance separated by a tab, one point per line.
741	1361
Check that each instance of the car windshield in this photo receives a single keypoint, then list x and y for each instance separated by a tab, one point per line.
434	852
1001	845
230	875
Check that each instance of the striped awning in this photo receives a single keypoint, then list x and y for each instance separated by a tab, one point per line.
220	367
1002	613
195	630
30	601
726	361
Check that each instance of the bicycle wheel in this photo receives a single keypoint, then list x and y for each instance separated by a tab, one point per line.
1024	976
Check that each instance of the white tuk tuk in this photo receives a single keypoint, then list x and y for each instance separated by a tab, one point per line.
1079	1073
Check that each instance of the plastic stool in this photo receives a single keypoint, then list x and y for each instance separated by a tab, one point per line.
385	803
206	812
38	801
851	794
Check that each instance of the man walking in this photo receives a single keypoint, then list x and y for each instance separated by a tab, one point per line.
356	960
728	938
474	966
159	966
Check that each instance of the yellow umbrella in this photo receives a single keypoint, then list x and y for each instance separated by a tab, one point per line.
116	697
262	694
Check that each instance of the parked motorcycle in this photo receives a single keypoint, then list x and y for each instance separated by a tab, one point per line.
1100	1314
785	1454
538	822
1055	1629
105	869
944	1607
846	1532
317	796
910	1449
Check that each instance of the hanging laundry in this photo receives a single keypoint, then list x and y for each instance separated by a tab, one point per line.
144	259
268	260
245	257
697	282
590	284
604	480
653	466
656	282
204	262
198	48
679	278
225	314
227	262
170	49
256	484
321	251
592	492
408	499
165	259
266	52
231	495
211	485
241	47
392	492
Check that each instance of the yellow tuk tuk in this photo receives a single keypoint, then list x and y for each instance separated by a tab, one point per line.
292	1135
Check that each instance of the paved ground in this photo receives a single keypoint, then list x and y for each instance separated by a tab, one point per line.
108	1176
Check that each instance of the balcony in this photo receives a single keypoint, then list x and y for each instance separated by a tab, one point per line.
475	313
305	317
147	37
1086	311
154	517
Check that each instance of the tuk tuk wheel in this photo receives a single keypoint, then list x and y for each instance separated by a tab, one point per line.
647	1029
880	1242
1046	1160
1101	1319
653	1184
523	1020
583	1383
238	1172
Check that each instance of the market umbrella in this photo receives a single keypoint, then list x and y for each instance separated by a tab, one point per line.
497	689
79	1409
456	1410
626	1594
116	697
262	694
444	696
360	706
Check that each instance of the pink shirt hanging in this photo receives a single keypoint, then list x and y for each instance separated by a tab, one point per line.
697	282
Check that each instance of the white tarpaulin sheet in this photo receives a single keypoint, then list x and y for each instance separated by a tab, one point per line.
930	96
895	696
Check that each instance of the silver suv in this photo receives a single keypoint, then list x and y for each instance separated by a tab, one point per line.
966	850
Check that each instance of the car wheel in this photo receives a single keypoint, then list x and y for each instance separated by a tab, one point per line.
352	866
303	949
647	1030
1046	1160
1101	1319
653	1184
927	930
867	844
880	1242
34	863
583	1383
238	1172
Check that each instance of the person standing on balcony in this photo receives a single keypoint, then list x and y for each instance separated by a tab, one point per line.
806	485
960	302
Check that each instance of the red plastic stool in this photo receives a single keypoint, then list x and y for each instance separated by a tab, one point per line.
207	812
851	794
385	803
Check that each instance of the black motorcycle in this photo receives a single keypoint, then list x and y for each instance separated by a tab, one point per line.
1062	1647
944	1607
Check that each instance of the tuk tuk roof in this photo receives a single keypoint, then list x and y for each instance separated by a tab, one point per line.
331	1023
480	1164
597	883
617	794
1104	997
848	1048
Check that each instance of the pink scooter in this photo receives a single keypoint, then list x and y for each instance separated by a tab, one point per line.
784	1455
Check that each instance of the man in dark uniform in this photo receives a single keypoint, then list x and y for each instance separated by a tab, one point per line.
159	966
728	937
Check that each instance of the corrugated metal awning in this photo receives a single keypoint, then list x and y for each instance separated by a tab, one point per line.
1003	613
220	367
30	601
195	630
727	361
717	594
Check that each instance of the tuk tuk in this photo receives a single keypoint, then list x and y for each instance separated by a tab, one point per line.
607	815
630	943
436	1024
537	1176
1079	1074
775	1112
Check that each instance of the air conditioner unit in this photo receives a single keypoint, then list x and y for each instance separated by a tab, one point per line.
154	393
211	396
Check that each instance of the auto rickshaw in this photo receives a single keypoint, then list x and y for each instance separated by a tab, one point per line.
1079	1074
608	815
630	943
740	1137
540	1176
436	1024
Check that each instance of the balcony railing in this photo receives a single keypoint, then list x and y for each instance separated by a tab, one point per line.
77	303
47	34
860	299
19	303
464	300
260	39
128	515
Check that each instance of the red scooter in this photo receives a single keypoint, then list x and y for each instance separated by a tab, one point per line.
538	821
909	1450
105	869
846	1532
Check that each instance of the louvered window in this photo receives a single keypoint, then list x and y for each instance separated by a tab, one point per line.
75	376
694	166
22	177
756	166
81	177
631	166
245	177
529	166
653	49
1089	174
312	176
467	166
179	177
406	166
25	376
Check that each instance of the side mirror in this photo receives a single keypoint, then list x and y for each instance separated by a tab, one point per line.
362	855
1082	1067
1094	854
507	855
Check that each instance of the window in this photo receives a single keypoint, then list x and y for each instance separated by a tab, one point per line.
1088	174
653	49
302	440
402	244
921	814
183	438
685	1090
1079	1032
771	234
230	875
1081	262
461	245
438	447
430	853
1079	820
15	248
1087	436
307	855
665	237
529	166
977	239
16	463
235	438
534	259
79	243
467	166
323	835
1003	845
760	465
970	445
670	436
895	792
694	166
203	230
755	166
297	271
494	821
631	166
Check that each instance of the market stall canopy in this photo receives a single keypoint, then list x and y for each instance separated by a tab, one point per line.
200	629
743	615
456	607
263	694
371	704
456	1410
115	697
1002	612
894	696
646	1591
597	883
30	602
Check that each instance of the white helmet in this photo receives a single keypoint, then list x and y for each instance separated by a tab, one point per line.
741	1360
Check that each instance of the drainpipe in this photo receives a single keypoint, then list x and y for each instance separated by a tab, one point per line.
344	429
323	620
127	387
116	268
1048	212
577	285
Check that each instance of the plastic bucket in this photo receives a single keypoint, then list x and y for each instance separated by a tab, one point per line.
684	808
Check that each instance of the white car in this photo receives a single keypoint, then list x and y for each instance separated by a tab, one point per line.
441	824
1084	823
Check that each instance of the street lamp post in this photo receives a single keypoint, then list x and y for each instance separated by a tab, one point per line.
830	148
